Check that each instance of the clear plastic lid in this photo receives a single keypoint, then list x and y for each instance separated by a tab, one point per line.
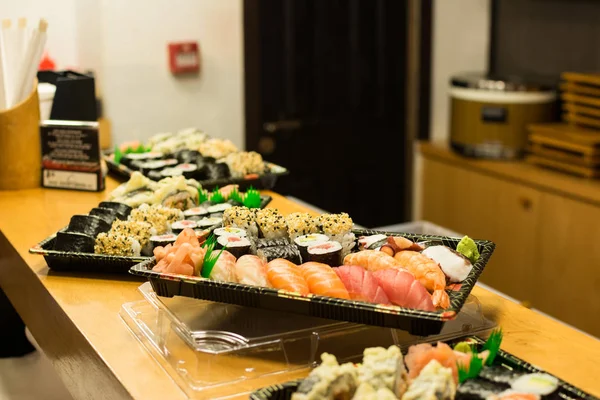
215	350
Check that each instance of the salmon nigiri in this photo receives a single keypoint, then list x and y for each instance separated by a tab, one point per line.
428	272
323	280
372	260
286	275
403	289
361	284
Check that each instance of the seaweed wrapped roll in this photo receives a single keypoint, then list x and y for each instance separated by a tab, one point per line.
107	214
305	241
217	171
122	208
329	253
289	252
91	225
236	245
74	241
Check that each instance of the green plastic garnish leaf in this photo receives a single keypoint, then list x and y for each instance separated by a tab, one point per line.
468	248
202	195
235	196
140	149
493	345
252	198
217	197
475	366
210	258
118	154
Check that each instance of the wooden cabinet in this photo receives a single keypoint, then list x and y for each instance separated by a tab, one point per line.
546	242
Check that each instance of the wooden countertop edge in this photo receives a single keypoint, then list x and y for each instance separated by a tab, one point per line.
581	189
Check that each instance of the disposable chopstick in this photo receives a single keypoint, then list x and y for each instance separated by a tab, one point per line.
3	80
30	62
7	46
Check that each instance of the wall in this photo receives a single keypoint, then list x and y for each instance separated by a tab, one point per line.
60	15
460	42
140	95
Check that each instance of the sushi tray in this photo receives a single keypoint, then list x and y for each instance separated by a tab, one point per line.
214	350
191	153
354	278
124	230
428	372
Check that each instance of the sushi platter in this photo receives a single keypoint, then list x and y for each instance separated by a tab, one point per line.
193	154
316	266
428	372
139	216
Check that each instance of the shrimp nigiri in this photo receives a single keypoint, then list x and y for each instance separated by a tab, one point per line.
323	280
428	272
251	270
372	260
286	275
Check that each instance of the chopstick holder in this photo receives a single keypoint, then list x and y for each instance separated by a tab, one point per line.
20	148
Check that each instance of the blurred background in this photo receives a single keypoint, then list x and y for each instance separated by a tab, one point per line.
476	115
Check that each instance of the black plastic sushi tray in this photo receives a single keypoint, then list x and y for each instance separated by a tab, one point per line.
70	261
265	181
416	322
503	359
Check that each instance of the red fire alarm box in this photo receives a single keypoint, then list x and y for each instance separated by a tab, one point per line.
184	58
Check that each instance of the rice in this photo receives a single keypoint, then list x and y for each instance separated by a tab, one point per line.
139	230
117	244
243	218
271	223
158	216
300	224
338	227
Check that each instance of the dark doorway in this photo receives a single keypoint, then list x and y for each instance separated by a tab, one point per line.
325	97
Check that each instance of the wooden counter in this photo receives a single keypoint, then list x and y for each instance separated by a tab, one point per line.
75	319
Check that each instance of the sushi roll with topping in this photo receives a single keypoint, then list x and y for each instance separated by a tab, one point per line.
158	216
74	242
179	226
271	224
243	218
384	369
367	392
89	224
236	245
433	383
338	227
328	381
455	266
230	231
117	244
289	252
305	241
139	230
175	192
136	191
122	208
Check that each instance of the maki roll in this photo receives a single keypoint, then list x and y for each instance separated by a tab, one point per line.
179	226
208	222
271	224
121	208
305	241
230	231
218	208
89	224
289	252
130	158
139	230
187	156
339	228
478	389
329	253
190	171
162	240
117	244
158	216
300	224
195	213
217	171
107	214
171	172
243	218
74	242
499	374
264	243
537	383
236	245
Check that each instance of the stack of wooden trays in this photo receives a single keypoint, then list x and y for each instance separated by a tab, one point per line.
574	145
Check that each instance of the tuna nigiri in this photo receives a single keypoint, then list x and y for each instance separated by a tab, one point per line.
428	272
251	270
372	260
361	284
323	280
224	269
283	274
403	289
